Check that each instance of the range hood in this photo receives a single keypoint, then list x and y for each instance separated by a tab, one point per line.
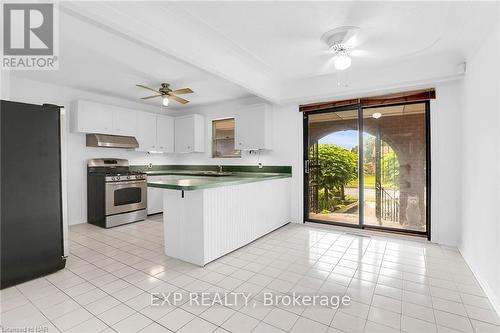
111	141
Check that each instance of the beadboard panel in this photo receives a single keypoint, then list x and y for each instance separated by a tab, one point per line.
183	225
237	215
207	224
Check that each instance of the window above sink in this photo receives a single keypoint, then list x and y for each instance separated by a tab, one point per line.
223	139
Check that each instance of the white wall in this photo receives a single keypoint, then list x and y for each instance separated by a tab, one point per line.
480	209
77	154
445	141
287	130
287	144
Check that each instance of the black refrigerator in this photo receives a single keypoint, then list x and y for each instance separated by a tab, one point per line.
32	231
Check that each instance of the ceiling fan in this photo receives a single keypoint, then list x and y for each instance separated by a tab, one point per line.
340	43
167	94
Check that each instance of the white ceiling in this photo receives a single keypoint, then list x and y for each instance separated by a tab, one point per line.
285	36
97	60
226	50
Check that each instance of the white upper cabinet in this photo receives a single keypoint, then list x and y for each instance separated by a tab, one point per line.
155	132
124	122
165	133
189	134
253	127
90	117
146	131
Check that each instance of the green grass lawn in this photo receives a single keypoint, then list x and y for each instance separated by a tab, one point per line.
368	180
369	183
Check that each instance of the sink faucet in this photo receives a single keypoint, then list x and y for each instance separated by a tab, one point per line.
220	168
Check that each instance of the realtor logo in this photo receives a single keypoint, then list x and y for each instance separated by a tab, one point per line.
28	36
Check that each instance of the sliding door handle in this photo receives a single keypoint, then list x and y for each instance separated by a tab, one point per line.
306	166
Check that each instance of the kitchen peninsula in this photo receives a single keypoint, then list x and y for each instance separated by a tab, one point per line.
209	212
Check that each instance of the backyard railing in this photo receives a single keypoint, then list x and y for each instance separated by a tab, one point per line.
389	206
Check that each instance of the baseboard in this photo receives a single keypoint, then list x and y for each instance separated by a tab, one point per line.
495	302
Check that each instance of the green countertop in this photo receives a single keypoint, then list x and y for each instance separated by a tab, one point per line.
188	173
192	181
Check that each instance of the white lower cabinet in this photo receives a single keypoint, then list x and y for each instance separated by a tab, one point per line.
155	197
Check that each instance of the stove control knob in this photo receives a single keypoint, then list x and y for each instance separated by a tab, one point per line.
112	178
128	177
118	178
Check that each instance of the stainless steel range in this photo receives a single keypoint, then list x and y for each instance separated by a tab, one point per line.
115	195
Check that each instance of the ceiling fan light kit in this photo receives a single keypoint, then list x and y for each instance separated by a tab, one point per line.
341	58
341	61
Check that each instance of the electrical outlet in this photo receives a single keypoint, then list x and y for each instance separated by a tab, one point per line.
150	165
260	166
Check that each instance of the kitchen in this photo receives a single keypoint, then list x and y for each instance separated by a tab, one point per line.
126	197
214	195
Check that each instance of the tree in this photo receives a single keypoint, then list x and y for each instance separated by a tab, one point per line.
369	153
338	166
390	168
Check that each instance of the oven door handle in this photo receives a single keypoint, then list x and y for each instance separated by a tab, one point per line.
127	182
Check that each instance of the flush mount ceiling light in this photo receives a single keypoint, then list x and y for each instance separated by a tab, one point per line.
338	41
377	115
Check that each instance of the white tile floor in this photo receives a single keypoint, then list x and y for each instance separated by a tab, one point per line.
395	285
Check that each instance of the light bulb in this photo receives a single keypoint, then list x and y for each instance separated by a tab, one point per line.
341	61
377	115
164	100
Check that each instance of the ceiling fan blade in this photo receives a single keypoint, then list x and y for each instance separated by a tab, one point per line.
140	85
182	91
150	97
178	99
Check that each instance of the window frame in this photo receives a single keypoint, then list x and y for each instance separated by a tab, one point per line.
237	153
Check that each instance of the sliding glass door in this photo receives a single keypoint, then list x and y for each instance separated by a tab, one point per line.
368	167
332	166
